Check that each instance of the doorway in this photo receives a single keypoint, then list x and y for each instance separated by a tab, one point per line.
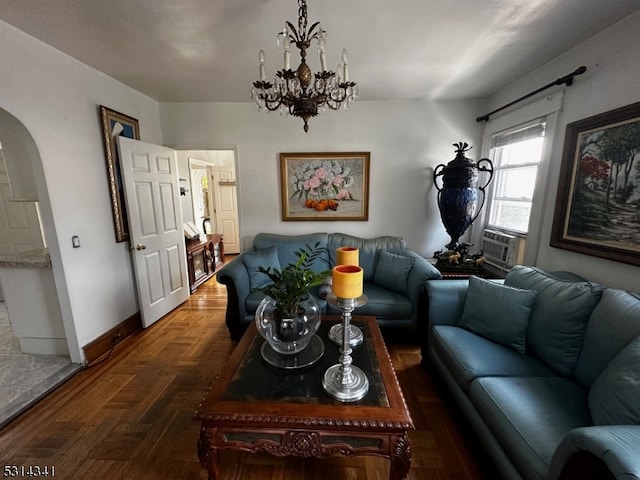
212	202
159	219
34	347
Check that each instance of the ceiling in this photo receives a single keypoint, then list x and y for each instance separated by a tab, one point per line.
207	50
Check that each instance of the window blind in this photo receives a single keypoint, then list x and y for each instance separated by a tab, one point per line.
522	133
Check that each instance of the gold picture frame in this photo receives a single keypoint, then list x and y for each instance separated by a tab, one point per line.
125	126
597	211
325	186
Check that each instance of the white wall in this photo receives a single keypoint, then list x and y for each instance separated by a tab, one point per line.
612	80
407	139
57	99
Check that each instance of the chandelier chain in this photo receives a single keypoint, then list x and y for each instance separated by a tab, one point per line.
302	19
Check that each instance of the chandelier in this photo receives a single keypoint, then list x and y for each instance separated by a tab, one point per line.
299	92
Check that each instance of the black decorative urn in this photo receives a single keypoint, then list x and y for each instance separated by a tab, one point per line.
458	195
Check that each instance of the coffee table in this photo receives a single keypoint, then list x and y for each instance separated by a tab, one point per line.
255	407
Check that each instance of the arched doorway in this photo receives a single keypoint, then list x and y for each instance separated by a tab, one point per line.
30	301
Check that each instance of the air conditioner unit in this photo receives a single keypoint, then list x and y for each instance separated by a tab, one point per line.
502	249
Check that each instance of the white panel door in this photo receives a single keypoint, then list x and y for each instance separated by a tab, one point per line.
152	193
226	205
19	223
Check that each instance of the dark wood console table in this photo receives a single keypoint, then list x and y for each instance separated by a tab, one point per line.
205	256
457	273
257	408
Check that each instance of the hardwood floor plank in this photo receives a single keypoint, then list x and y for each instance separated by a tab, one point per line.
131	416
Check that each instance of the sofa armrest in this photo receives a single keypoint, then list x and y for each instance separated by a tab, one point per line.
445	300
612	449
421	271
235	277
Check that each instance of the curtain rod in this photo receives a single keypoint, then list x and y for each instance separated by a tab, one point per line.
567	80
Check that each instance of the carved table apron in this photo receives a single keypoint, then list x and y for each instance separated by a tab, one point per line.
255	408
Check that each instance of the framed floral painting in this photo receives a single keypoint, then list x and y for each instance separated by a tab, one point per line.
324	186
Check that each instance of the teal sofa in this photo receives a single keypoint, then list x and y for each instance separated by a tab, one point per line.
394	276
546	368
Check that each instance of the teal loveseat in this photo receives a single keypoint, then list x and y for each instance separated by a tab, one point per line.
546	368
394	276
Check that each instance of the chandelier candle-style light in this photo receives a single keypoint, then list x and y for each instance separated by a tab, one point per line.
299	92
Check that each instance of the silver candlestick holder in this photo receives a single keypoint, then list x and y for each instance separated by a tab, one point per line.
343	381
355	334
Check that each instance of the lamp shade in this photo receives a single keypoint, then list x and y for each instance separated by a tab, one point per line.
347	281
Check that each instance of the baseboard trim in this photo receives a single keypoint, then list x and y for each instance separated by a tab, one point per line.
105	342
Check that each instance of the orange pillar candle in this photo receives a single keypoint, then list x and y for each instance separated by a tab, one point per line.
347	256
347	281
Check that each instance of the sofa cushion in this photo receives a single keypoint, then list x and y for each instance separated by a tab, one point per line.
392	271
368	250
267	258
559	317
529	416
613	324
288	245
469	356
614	398
381	303
252	301
497	312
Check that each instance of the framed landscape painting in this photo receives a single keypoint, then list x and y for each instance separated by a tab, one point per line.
324	186
116	124
598	204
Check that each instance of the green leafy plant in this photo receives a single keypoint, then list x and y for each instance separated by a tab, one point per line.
295	280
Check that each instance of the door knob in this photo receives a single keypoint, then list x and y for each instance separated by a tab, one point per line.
141	247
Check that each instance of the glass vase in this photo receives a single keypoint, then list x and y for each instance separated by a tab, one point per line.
288	335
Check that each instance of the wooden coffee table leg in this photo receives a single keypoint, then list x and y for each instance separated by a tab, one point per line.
208	454
400	458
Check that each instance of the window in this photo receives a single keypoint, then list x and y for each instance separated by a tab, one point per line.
514	206
516	155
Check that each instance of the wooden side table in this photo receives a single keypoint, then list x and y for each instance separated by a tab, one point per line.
454	273
205	256
460	275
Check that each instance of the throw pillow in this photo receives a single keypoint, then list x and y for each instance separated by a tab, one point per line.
267	257
497	312
613	398
392	271
560	314
602	342
368	250
288	245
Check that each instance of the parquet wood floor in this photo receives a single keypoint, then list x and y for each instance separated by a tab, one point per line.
131	416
